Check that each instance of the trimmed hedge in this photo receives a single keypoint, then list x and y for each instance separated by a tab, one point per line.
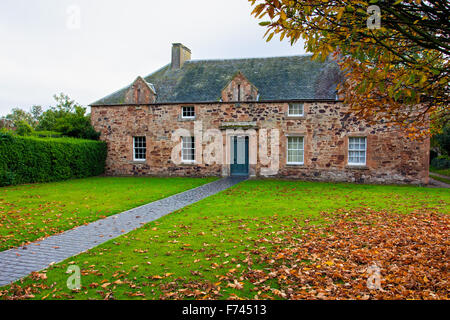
32	160
46	134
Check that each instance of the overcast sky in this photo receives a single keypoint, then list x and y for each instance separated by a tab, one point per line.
46	49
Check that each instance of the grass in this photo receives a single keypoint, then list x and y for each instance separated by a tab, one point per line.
203	243
444	172
30	212
445	180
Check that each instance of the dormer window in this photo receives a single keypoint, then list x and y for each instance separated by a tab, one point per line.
295	110
239	89
140	92
188	112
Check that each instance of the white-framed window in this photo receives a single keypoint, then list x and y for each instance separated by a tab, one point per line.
357	149
295	110
188	149
139	148
295	150
188	112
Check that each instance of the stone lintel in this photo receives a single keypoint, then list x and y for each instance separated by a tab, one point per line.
239	125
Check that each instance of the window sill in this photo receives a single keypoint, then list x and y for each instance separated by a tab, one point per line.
139	161
357	166
181	119
188	163
294	117
295	165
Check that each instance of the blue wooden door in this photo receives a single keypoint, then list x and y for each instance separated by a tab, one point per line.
239	156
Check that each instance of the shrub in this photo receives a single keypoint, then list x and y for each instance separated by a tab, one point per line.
441	162
32	160
6	178
443	140
23	128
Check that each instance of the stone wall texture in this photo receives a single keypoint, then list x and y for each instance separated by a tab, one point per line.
326	127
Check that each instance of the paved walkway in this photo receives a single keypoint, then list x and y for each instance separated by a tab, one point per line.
20	262
437	184
439	175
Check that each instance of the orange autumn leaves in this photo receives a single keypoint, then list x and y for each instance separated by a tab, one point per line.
397	73
334	261
346	254
339	260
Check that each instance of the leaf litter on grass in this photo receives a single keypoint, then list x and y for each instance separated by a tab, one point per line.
335	260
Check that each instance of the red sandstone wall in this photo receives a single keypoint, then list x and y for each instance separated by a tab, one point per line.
391	158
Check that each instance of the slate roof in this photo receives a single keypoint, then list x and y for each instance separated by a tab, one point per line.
278	78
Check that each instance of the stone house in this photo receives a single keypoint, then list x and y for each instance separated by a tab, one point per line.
276	117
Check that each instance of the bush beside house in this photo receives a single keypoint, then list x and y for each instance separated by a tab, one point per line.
441	162
32	159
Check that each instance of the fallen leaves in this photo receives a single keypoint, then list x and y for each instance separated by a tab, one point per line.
360	254
331	261
347	254
235	285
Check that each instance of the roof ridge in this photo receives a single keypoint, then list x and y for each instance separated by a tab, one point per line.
251	58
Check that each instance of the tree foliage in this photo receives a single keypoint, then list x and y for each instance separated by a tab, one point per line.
69	118
443	141
398	72
66	117
23	128
36	112
16	117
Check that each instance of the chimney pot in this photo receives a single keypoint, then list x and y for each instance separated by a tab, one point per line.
180	54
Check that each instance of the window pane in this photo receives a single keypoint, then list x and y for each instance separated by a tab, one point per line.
188	112
295	109
295	150
188	149
240	150
357	150
140	148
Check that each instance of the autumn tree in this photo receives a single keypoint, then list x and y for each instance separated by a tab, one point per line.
394	54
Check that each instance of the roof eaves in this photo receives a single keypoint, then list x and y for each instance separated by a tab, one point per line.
218	102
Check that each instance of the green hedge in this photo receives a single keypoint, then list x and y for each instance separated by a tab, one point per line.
32	160
46	134
441	162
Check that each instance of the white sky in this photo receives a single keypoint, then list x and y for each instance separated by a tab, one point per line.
42	52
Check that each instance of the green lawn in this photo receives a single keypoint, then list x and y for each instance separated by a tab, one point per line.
30	212
201	246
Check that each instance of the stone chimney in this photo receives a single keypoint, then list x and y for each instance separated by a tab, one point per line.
180	54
